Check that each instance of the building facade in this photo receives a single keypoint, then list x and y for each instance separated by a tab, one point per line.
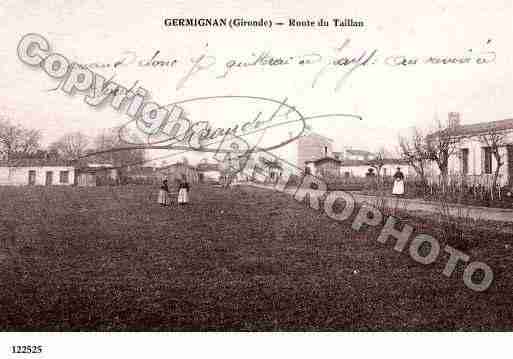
92	175
36	172
179	171
311	147
209	172
360	168
473	159
324	167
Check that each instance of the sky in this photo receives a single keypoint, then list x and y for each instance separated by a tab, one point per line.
390	99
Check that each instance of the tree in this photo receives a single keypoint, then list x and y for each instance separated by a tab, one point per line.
110	146
71	146
379	161
495	139
441	145
271	165
415	151
17	141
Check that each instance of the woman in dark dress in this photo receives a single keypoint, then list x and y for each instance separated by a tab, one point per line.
164	194
183	192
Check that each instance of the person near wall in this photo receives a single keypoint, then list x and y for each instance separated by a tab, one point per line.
370	173
164	194
183	191
398	188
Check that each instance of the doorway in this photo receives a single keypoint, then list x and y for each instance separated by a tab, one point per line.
510	164
49	178
32	178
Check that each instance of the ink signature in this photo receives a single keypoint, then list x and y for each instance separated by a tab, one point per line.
179	132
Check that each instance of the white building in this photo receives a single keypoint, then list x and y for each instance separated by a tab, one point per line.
473	158
96	174
360	168
312	146
209	172
36	172
348	153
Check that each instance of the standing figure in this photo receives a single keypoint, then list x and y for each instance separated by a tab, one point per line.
183	191
164	194
398	182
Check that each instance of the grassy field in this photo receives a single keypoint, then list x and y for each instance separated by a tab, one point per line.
110	258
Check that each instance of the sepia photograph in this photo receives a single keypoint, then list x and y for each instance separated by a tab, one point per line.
266	168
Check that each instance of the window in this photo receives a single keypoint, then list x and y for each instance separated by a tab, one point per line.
64	176
31	178
49	178
487	152
464	161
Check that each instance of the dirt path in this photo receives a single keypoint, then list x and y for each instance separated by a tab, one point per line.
482	213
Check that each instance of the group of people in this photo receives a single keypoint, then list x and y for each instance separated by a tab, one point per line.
398	187
164	197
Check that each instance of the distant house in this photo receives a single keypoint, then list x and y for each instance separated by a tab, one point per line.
311	147
332	167
360	168
356	154
96	174
209	172
142	175
473	158
141	171
338	155
324	167
178	171
37	172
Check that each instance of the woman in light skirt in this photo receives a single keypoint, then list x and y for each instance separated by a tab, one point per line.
183	192
164	194
398	189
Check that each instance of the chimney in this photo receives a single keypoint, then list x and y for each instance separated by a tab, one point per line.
454	120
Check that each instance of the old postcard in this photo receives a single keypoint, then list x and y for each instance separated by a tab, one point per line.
232	166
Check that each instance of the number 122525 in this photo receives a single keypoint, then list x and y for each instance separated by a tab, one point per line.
27	349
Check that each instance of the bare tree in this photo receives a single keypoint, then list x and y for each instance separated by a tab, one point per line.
71	146
414	150
113	148
379	160
441	145
272	166
495	139
17	141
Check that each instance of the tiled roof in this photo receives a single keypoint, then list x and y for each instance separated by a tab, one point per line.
96	169
178	164
36	162
324	159
204	167
387	161
359	152
481	127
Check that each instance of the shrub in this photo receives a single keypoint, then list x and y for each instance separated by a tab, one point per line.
390	206
456	224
